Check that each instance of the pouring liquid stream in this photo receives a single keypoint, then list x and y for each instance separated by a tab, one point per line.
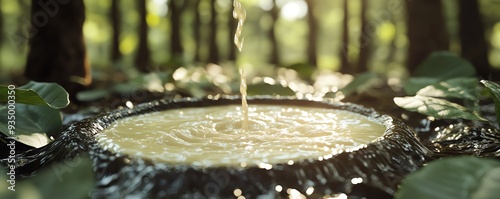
244	104
240	14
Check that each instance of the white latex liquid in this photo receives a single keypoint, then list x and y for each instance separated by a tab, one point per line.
212	136
240	14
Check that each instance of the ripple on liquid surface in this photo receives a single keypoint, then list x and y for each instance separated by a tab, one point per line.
212	136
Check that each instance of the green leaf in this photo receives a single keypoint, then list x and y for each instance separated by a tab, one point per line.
414	84
444	65
304	70
36	140
494	90
267	89
437	108
70	179
32	122
453	178
460	88
360	83
37	93
437	67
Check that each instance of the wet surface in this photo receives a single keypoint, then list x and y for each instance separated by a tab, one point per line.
371	172
374	171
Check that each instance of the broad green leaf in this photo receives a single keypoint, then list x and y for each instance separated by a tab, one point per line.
489	185
444	65
461	88
453	178
36	140
31	121
70	179
268	89
438	66
437	108
37	93
414	84
494	90
359	83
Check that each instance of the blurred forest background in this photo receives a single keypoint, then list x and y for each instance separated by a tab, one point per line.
389	37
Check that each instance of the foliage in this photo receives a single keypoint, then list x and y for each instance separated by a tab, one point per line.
453	178
441	77
70	179
435	107
38	93
268	89
458	88
37	114
439	66
360	83
305	71
153	82
494	90
431	100
457	178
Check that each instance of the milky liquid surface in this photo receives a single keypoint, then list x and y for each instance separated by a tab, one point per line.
212	136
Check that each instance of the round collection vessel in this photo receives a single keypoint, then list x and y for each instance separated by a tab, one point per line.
379	165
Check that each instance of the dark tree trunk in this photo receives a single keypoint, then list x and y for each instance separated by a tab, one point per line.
231	24
142	59
474	46
115	17
345	65
426	30
57	49
213	56
312	38
364	40
197	30
24	22
175	37
275	55
1	27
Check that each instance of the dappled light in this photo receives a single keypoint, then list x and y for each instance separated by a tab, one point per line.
249	99
293	10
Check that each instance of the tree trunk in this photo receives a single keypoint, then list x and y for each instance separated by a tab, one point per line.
313	34
197	30
142	59
426	30
364	40
231	24
24	27
1	27
57	49
115	18
275	55
474	46
176	48
345	65
213	56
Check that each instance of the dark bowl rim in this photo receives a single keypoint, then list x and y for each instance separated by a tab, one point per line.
104	120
